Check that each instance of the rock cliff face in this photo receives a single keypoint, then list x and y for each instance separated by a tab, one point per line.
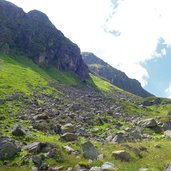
33	35
113	75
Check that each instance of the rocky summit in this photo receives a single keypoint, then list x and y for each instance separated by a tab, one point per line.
50	119
115	76
33	35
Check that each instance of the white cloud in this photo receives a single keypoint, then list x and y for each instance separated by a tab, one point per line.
168	91
138	26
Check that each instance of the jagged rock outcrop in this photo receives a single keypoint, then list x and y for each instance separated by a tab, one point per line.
116	77
33	35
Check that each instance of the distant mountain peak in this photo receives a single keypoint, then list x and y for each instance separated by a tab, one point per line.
113	75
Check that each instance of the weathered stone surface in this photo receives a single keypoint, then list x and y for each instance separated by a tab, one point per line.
143	169
67	128
68	149
167	134
8	148
89	151
148	123
95	169
168	167
41	117
69	137
121	155
118	139
38	147
18	130
107	166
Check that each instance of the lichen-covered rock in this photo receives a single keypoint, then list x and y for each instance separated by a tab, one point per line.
107	166
38	147
8	148
148	123
68	137
18	130
89	151
121	155
67	128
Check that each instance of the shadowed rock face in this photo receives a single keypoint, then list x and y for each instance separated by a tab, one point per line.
33	34
113	75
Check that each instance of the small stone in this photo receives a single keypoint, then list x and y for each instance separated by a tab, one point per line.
95	169
143	169
44	166
100	157
107	166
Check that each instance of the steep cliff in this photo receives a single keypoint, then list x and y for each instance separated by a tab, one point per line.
113	75
33	34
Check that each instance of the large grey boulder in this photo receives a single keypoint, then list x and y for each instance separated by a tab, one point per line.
67	128
167	134
89	151
18	130
8	148
68	137
121	155
39	147
148	123
168	167
107	166
118	139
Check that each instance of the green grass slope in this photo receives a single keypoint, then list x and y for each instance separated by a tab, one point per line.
22	80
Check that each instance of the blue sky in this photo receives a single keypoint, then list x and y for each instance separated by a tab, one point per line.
131	35
159	70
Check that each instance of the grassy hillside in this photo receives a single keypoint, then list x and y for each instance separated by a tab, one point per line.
26	91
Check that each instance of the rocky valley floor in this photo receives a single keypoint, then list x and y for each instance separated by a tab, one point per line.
92	126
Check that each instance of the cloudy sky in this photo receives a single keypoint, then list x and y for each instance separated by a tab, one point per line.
131	35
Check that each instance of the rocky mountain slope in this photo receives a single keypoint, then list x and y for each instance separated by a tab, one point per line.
113	75
50	120
35	36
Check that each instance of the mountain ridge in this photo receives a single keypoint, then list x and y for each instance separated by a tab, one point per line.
33	35
113	75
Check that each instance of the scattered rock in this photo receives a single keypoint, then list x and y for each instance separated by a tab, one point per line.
167	134
89	151
100	157
40	117
121	155
118	139
96	169
133	149
107	166
168	167
1	102
37	161
43	166
157	145
39	147
67	128
51	153
57	168
68	137
18	130
8	148
68	149
148	123
143	169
